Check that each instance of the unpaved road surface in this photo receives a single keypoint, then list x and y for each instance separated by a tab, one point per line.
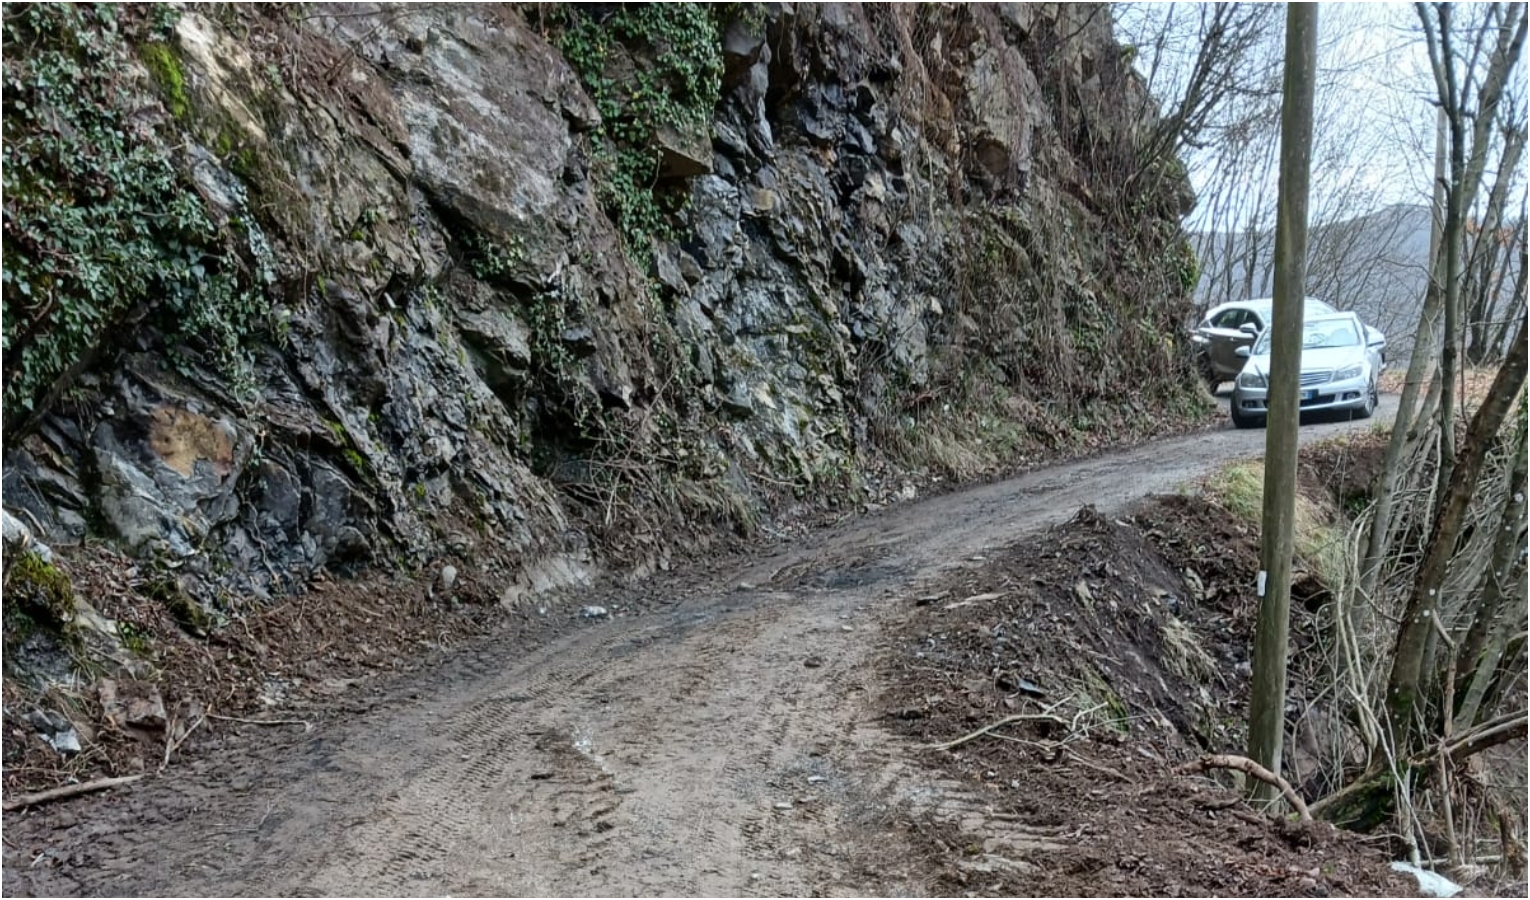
725	744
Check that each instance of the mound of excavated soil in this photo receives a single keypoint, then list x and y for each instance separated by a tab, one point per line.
1128	667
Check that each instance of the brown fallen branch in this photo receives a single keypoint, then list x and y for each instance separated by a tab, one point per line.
1253	770
1103	770
1007	720
65	792
307	725
1489	734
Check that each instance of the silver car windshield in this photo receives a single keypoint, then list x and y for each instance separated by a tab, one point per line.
1317	335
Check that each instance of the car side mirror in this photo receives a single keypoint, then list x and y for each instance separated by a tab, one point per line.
1243	352
1249	328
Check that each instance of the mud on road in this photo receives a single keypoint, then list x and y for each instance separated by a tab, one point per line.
729	741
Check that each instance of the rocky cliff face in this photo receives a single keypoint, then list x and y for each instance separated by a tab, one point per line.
488	306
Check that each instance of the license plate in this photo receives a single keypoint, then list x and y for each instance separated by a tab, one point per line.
1309	396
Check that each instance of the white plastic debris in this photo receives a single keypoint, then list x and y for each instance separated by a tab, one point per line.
65	742
1432	883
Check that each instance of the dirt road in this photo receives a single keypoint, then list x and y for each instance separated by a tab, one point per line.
723	744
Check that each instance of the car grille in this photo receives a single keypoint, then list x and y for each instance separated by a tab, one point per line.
1321	376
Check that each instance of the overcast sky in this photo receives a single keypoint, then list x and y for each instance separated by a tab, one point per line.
1373	142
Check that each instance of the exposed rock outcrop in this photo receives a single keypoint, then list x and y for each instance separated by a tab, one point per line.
906	236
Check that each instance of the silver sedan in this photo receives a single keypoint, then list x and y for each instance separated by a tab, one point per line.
1342	360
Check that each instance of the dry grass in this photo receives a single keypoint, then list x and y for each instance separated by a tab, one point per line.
942	449
1183	652
1473	385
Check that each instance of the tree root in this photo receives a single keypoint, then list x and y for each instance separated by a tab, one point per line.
1253	770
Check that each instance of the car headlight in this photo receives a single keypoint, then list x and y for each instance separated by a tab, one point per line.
1348	372
1253	379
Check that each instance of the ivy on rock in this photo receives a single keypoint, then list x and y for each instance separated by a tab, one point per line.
674	54
101	228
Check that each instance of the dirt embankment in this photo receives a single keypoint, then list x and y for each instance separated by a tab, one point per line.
1108	652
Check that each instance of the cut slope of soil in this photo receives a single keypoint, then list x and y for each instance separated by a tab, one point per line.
1126	668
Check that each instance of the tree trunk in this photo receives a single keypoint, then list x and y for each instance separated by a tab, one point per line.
1268	693
1465	174
1455	211
1516	296
1499	612
1490	254
1510	670
1425	338
1488	662
1423	604
1488	249
1364	804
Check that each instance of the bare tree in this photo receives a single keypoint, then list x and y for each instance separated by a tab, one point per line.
1215	70
1422	611
1496	613
1463	101
1443	543
1404	435
1231	62
1361	249
1492	261
1457	90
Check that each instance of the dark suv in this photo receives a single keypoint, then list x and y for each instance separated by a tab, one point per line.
1232	325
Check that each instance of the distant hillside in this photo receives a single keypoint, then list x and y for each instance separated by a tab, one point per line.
1374	264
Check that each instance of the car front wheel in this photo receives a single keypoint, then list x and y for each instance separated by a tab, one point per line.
1372	398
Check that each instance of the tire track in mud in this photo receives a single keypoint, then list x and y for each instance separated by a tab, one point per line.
691	751
495	764
522	764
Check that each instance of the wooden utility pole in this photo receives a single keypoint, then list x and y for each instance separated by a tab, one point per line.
1268	695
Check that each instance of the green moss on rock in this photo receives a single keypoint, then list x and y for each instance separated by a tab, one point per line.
38	603
167	72
40	590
